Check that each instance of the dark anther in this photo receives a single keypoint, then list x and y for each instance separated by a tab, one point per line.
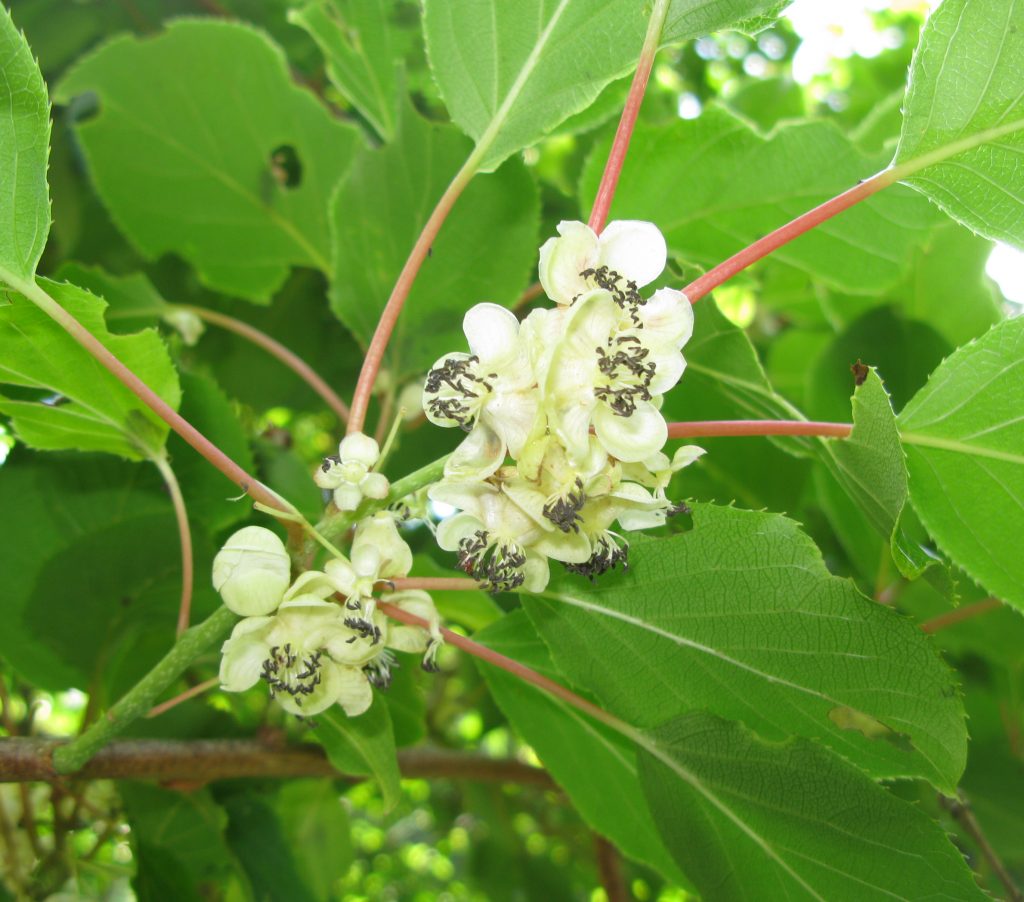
564	511
624	292
681	508
607	555
364	628
329	462
498	566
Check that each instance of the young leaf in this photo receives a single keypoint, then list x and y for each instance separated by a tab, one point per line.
363	745
747	819
379	211
965	104
714	185
87	408
594	764
964	437
511	72
24	148
355	39
741	617
203	146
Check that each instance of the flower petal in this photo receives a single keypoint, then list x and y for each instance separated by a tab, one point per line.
478	456
355	694
631	438
359	448
243	655
668	315
536	572
634	249
563	259
492	332
453	530
252	571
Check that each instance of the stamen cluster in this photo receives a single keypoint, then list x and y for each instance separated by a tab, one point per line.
572	396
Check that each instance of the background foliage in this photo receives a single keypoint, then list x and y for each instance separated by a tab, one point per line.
274	161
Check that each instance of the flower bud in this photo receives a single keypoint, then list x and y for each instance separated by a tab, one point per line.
252	571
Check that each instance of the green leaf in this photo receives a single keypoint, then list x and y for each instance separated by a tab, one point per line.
203	146
24	149
512	72
92	410
751	820
362	745
964	436
316	825
871	467
595	765
355	39
964	114
486	249
741	617
713	185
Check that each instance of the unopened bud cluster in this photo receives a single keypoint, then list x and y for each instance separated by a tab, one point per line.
572	395
312	650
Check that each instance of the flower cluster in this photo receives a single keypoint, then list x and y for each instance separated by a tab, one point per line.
350	474
572	394
312	651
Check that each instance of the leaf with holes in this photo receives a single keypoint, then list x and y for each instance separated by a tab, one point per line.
740	616
964	438
511	72
747	819
964	115
714	185
84	406
203	146
24	149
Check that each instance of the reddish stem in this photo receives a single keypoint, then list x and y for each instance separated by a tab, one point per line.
273	347
623	134
960	614
436	583
707	428
184	538
764	246
514	667
389	317
157	710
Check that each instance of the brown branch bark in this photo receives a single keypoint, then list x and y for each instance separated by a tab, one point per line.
205	760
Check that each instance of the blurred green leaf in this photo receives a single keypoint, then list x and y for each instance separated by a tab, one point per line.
594	764
964	436
748	819
204	124
362	745
355	39
86	407
740	617
966	89
714	185
24	149
378	213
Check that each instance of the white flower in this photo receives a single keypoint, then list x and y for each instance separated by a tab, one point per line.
252	571
608	378
351	475
628	255
498	542
415	639
490	392
308	655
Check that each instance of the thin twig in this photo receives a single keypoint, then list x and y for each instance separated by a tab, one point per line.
609	869
183	697
623	134
709	428
960	614
960	809
434	583
184	539
535	291
273	347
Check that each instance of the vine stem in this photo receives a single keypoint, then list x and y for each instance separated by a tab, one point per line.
198	689
184	538
708	428
804	223
249	484
389	317
524	673
139	699
961	811
434	583
951	618
623	134
273	347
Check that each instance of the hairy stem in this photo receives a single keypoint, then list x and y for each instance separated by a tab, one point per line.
707	428
249	484
623	134
273	347
204	760
389	317
184	539
139	699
